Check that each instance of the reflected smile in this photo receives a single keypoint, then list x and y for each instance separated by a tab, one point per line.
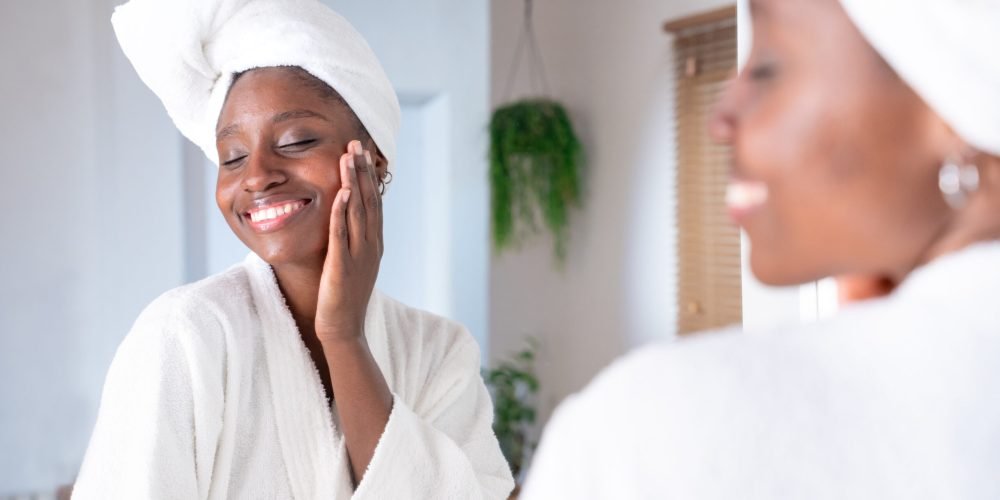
744	197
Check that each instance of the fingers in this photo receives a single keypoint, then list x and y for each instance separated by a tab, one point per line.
368	190
378	213
375	222
339	246
356	214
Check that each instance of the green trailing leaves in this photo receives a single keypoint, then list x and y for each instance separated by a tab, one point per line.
513	386
535	170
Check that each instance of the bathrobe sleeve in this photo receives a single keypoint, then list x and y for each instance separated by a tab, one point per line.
144	442
440	444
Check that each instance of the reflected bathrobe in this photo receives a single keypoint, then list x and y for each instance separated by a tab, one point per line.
213	394
895	398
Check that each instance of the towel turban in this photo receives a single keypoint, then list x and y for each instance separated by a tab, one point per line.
948	51
187	51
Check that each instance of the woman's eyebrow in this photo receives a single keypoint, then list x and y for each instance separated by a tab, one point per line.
280	117
298	113
228	131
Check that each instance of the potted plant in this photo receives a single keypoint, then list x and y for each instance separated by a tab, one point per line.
513	386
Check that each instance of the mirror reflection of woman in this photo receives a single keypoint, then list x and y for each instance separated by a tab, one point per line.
866	139
286	376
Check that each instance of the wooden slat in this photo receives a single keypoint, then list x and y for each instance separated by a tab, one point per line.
701	19
708	244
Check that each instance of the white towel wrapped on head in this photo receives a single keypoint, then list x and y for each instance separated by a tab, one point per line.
947	51
187	51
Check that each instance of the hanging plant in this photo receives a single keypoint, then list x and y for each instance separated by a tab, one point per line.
535	159
535	162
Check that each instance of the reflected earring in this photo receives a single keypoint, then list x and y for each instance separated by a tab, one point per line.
957	180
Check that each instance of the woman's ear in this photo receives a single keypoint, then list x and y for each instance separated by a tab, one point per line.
381	163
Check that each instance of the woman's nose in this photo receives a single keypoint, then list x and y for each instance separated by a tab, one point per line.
262	173
722	119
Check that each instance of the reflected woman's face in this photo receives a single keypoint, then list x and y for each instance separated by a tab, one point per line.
279	142
847	152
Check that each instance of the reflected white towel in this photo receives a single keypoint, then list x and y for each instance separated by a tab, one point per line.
186	51
946	50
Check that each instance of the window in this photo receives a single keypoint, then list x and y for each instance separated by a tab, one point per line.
708	244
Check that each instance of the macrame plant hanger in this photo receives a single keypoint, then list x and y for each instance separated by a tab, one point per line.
527	40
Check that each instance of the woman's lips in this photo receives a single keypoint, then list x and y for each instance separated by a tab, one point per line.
743	197
274	216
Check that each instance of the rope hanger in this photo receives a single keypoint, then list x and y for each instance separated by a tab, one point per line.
537	79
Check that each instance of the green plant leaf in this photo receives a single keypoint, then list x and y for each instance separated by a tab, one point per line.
535	163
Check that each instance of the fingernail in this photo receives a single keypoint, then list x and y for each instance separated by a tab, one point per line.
357	147
350	162
368	156
345	195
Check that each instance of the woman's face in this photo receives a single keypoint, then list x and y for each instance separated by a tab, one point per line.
847	153
280	141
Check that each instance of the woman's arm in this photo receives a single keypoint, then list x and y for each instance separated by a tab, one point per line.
439	444
363	400
362	397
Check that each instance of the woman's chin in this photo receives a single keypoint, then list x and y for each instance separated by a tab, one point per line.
775	270
287	255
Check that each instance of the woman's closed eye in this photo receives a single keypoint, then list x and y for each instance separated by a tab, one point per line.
763	71
233	161
297	145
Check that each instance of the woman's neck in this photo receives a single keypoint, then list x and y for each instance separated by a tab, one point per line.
300	285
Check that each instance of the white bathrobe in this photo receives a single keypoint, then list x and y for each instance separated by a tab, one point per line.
213	395
893	399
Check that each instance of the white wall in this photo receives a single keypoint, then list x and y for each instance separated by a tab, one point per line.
609	63
106	206
91	202
418	211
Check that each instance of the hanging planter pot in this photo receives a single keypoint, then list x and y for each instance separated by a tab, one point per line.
535	160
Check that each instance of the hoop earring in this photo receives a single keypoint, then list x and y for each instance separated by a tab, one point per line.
383	182
958	180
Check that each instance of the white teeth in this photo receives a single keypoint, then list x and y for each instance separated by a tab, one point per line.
745	194
274	212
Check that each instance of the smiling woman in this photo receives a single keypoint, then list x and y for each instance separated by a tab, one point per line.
286	376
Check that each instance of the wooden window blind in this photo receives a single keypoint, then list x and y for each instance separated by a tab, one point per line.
708	243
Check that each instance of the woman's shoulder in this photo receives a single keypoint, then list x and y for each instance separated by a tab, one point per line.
197	308
231	285
709	378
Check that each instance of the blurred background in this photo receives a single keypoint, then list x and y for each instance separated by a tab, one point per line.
105	206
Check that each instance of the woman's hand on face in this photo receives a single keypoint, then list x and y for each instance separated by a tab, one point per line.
355	250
